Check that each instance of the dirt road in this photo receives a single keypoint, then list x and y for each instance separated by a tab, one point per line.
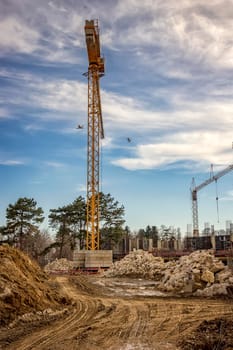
101	318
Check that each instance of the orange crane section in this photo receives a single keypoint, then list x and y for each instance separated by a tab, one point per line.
194	191
95	132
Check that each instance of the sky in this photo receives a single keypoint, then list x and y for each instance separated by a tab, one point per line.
167	87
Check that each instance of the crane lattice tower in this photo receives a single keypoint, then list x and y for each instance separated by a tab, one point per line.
95	132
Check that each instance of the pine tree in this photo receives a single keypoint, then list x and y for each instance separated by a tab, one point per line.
22	221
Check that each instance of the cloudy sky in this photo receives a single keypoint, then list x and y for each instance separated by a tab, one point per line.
168	86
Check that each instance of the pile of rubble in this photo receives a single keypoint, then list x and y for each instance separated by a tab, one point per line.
199	273
138	264
59	265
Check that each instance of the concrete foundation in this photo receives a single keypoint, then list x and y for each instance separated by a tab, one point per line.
93	258
79	258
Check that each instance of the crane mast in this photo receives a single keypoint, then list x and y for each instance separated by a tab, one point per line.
95	132
194	191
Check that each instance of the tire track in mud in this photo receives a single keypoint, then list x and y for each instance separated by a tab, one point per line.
102	322
84	310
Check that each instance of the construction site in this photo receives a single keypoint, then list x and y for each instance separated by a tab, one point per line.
172	294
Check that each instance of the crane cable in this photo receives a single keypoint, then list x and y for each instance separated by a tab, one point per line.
101	168
216	187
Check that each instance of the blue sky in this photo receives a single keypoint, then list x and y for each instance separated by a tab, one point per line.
168	86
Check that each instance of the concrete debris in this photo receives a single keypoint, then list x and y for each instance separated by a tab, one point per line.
199	273
62	265
138	264
197	270
215	289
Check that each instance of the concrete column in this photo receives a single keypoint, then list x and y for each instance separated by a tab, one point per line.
213	242
159	244
130	245
150	246
179	244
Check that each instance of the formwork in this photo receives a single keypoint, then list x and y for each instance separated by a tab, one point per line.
92	258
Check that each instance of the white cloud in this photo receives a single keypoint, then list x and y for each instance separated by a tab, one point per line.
11	162
16	36
3	113
107	142
81	188
190	31
57	7
181	150
63	96
33	127
46	100
227	197
169	122
195	32
51	33
191	129
54	164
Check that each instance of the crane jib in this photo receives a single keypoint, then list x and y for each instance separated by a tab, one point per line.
194	191
214	177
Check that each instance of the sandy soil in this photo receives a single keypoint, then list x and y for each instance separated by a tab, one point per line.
115	314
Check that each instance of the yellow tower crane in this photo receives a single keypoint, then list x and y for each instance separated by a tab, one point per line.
95	132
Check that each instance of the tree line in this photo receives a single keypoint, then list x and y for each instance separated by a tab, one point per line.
24	217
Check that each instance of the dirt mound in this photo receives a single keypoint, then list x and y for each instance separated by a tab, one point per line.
209	335
24	287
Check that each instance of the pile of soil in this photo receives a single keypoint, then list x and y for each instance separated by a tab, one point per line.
215	334
24	287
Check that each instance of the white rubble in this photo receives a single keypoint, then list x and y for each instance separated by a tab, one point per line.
138	264
198	273
62	265
196	269
215	289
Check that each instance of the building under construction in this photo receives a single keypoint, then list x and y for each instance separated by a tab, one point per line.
221	242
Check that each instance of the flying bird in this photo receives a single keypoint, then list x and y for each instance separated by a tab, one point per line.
80	127
129	139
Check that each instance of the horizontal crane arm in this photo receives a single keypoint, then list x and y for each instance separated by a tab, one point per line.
213	178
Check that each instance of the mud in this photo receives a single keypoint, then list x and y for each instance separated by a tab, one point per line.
42	312
119	315
214	334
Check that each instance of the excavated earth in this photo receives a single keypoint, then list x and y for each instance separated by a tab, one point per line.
105	313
